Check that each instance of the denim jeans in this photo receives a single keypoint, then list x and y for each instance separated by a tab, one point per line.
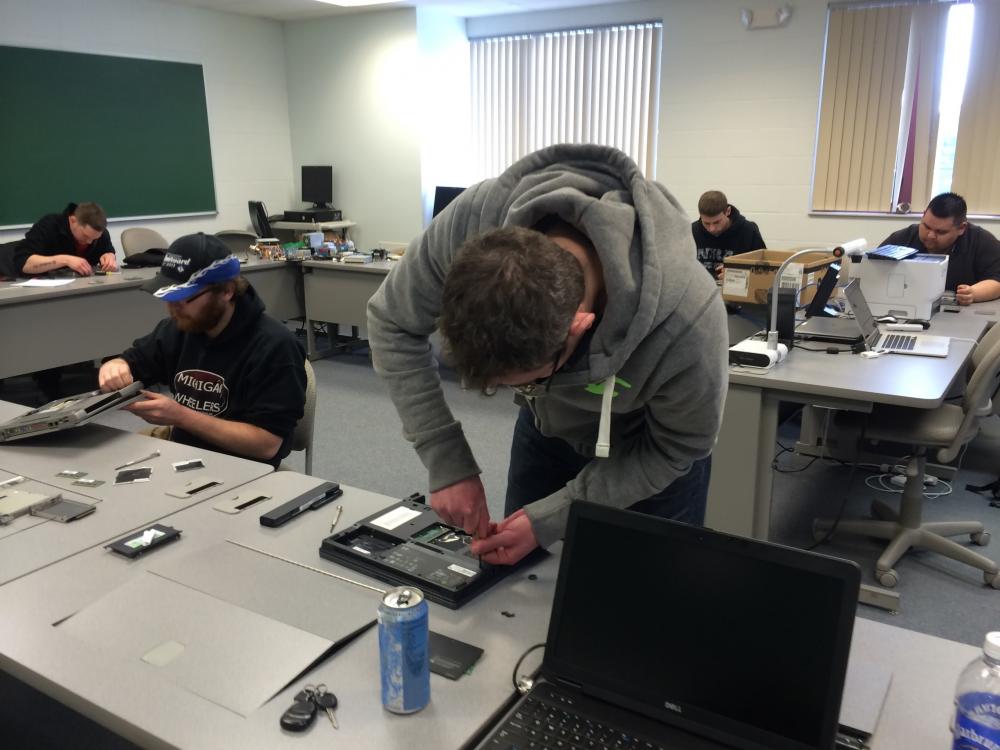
541	465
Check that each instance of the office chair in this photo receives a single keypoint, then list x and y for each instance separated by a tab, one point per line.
947	429
302	437
259	220
7	268
139	240
237	240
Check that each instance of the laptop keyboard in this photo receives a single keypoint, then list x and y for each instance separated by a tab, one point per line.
899	342
554	724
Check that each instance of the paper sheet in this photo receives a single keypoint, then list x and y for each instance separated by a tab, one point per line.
45	282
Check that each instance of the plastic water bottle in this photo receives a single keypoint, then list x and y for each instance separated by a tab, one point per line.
977	701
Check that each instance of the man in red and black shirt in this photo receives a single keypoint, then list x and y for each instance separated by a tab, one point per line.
77	239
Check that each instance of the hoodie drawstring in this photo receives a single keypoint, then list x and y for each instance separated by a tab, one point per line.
603	447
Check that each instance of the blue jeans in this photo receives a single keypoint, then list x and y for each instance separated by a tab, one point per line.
541	465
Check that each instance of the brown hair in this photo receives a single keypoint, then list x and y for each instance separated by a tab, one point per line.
91	215
240	286
507	304
712	203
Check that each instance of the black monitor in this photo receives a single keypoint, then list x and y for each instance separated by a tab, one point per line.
817	308
317	186
443	196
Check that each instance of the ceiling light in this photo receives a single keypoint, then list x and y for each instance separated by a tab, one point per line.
356	3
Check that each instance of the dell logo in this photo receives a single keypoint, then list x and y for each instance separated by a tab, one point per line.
673	707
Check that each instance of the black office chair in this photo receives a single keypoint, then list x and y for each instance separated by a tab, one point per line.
259	220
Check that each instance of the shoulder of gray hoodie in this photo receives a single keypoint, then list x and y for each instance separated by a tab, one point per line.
663	331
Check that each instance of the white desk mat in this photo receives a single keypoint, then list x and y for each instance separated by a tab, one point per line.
305	599
223	653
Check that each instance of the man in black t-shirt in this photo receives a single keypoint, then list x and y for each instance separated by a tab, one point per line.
974	253
721	231
77	239
237	375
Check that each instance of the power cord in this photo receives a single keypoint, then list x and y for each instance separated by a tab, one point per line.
523	685
847	492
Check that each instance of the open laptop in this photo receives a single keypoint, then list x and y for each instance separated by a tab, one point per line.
664	635
896	343
71	411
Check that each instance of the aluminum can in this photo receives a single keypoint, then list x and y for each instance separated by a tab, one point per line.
402	646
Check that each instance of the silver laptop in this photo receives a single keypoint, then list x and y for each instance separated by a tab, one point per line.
891	341
64	413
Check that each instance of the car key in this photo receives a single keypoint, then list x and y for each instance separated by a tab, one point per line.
327	701
300	715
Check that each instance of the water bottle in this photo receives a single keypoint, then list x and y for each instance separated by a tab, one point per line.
977	701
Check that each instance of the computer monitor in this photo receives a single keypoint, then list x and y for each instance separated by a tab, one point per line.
817	308
443	196
317	186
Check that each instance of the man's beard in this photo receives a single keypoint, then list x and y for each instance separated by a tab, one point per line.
204	322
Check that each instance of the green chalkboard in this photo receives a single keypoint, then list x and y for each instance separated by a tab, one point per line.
130	134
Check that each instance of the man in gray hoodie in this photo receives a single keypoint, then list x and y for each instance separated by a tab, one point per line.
590	302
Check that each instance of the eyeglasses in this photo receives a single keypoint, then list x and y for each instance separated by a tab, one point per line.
541	384
193	297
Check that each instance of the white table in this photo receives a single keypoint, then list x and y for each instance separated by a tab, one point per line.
338	293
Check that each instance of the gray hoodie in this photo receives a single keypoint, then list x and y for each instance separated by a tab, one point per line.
662	337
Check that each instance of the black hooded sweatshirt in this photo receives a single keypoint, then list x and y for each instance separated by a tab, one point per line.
252	372
50	235
741	237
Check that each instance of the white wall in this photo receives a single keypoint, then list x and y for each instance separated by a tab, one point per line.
244	64
357	102
738	109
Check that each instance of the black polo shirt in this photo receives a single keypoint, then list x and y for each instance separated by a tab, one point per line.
975	256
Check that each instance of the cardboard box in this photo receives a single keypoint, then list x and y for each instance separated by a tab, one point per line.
749	276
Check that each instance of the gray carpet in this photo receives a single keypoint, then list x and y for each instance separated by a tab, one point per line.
358	441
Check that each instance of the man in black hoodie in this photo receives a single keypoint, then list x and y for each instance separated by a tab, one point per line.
237	374
721	231
77	239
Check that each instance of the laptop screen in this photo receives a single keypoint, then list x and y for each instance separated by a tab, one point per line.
862	313
739	640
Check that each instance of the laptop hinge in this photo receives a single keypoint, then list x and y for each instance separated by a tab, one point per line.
567	683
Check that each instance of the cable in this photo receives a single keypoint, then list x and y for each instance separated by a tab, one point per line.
827	349
847	492
524	684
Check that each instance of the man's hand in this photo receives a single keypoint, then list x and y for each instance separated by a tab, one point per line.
114	375
464	504
109	262
511	540
158	409
79	266
964	294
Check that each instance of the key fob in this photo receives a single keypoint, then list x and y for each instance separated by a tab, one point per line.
299	716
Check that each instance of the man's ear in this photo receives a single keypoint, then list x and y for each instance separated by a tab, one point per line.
581	323
729	211
962	228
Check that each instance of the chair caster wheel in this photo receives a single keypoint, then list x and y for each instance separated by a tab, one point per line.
992	579
887	578
981	538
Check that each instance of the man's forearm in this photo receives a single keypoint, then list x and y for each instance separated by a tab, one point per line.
43	263
985	290
237	437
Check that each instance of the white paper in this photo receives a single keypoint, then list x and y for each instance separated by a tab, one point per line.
395	518
736	282
45	282
791	277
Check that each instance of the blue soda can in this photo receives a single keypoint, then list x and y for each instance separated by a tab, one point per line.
402	645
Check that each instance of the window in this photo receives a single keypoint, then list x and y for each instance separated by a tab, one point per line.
598	85
906	107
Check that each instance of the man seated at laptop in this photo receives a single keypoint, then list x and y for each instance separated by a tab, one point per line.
237	374
974	253
721	231
76	239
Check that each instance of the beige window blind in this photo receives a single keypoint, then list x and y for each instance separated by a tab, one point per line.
581	86
977	147
863	79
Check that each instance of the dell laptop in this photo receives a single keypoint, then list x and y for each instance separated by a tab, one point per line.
71	411
896	343
664	635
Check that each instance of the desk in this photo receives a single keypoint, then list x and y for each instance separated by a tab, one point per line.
129	698
134	700
27	545
100	316
338	293
739	497
313	226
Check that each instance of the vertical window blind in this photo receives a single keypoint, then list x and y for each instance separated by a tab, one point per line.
977	147
596	85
